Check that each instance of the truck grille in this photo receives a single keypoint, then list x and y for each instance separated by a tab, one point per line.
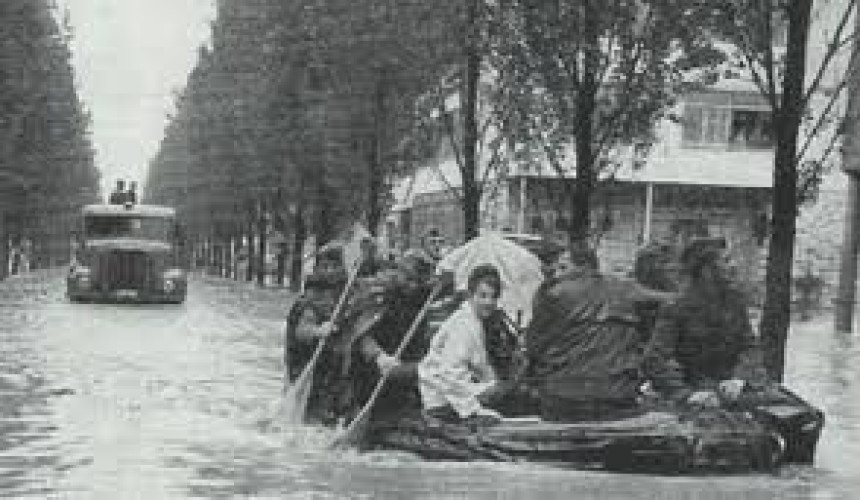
122	270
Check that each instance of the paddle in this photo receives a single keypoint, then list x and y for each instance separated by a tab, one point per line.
298	392
356	429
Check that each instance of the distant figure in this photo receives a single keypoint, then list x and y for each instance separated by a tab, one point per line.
117	197
431	249
131	195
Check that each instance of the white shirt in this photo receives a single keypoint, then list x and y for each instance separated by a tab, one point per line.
457	367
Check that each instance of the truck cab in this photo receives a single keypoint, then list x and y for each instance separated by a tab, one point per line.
128	252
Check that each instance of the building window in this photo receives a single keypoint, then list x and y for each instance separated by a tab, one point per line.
705	125
729	126
751	128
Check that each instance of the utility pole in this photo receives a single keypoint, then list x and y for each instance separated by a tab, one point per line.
845	299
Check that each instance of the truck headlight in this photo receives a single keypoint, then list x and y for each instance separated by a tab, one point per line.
81	276
172	279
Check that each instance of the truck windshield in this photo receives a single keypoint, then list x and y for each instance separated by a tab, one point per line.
146	228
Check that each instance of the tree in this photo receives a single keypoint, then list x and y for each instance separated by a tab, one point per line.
594	75
47	169
779	69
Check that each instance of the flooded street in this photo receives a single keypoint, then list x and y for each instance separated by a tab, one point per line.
151	402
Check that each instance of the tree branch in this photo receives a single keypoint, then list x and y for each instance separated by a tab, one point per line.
769	60
822	117
452	137
832	49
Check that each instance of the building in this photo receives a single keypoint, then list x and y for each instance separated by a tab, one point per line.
708	174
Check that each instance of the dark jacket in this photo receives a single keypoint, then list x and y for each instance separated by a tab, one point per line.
583	341
701	339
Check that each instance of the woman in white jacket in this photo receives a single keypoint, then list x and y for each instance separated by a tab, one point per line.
456	376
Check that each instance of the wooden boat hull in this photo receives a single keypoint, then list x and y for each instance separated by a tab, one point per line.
700	442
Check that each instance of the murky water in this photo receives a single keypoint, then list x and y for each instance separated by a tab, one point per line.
151	402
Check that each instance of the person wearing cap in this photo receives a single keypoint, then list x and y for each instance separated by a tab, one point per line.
703	350
308	323
583	345
430	251
118	196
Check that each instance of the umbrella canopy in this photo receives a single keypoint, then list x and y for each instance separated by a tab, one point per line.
520	270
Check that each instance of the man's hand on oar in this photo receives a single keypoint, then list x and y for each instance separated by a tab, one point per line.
297	394
353	434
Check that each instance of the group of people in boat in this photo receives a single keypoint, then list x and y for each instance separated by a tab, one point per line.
597	346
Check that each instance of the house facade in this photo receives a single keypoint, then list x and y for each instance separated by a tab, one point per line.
708	173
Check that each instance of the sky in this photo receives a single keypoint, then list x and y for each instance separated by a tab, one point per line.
130	58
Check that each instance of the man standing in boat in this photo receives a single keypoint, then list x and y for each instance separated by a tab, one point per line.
703	349
583	344
457	379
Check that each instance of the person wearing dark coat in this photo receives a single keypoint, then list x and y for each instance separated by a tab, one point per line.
703	348
583	343
308	323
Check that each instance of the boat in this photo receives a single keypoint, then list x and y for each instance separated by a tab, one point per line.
767	428
670	442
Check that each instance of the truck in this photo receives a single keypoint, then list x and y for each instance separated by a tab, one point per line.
128	253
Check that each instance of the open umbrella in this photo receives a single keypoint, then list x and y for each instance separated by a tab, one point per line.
519	268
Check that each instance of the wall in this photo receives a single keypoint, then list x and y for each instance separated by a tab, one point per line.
820	228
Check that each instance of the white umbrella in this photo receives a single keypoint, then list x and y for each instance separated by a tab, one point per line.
519	268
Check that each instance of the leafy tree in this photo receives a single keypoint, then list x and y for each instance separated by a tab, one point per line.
47	170
779	69
594	75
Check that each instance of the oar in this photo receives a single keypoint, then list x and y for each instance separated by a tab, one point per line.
296	394
353	433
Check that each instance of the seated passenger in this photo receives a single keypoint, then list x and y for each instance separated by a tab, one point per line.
456	377
583	344
654	267
703	348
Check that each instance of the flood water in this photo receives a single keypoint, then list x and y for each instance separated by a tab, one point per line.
151	402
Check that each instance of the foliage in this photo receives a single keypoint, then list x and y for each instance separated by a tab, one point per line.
799	119
584	78
47	167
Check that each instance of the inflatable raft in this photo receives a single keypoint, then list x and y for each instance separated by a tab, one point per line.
662	442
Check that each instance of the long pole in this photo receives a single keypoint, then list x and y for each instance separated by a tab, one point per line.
845	299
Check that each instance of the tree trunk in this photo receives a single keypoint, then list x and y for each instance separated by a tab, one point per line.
299	237
228	259
376	178
586	170
218	257
776	316
471	189
249	272
282	264
235	245
324	227
4	249
210	256
261	248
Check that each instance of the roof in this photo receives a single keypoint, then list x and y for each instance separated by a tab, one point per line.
132	211
694	167
702	167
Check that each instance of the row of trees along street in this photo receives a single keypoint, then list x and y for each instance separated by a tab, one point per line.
47	171
301	111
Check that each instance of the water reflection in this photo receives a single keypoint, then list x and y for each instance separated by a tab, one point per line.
180	402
